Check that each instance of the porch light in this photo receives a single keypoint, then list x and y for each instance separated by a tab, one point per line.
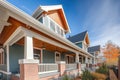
43	47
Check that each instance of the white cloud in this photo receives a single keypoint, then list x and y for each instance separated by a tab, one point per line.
103	22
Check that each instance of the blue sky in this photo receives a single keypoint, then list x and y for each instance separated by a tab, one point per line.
100	17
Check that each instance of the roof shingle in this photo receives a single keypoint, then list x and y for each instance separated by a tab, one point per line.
78	37
94	48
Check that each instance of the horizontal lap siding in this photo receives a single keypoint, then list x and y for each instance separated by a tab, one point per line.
16	53
48	56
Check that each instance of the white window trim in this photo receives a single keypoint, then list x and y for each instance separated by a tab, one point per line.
56	24
59	56
41	54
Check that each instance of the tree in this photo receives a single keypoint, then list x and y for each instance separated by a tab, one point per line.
111	52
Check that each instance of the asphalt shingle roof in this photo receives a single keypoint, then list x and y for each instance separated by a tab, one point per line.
78	37
94	48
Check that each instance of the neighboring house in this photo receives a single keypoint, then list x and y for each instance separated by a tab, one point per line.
36	48
95	51
82	41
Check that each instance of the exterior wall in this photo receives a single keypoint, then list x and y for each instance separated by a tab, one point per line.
16	53
48	56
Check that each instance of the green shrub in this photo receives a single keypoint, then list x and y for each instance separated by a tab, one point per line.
66	78
87	75
103	69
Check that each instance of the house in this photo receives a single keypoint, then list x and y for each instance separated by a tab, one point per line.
35	47
82	41
95	51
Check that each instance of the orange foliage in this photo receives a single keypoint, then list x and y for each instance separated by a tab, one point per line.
111	53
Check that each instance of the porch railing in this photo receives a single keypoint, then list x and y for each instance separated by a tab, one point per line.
3	67
71	66
83	66
47	68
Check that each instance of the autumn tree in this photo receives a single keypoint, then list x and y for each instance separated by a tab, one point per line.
111	52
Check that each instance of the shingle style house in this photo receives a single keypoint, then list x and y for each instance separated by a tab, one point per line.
35	47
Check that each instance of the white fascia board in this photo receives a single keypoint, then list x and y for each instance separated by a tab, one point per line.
51	7
17	35
29	20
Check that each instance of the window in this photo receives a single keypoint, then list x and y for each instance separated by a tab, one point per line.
37	54
1	56
62	32
41	19
52	25
57	56
48	22
79	44
58	29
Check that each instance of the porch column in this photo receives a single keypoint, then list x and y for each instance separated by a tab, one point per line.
7	52
94	62
28	47
82	60
90	60
28	66
77	57
86	59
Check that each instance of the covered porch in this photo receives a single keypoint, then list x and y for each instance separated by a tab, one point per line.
47	54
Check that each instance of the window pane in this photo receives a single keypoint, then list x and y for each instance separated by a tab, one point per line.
62	34
41	20
58	30
52	25
46	21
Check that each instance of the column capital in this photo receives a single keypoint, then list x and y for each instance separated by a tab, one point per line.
30	61
61	62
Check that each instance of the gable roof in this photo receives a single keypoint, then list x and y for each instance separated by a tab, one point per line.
94	48
46	9
78	37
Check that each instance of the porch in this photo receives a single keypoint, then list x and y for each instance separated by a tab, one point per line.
44	53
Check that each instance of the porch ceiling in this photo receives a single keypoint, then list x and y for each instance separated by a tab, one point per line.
38	44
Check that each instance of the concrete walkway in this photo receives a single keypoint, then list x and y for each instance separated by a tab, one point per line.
112	75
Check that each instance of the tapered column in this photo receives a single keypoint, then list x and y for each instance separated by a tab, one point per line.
28	47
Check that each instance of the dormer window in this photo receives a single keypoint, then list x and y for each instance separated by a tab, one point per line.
52	25
41	19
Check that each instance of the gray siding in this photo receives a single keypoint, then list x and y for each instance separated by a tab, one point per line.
48	57
16	53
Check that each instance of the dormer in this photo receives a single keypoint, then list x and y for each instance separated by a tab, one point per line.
81	40
95	50
53	17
